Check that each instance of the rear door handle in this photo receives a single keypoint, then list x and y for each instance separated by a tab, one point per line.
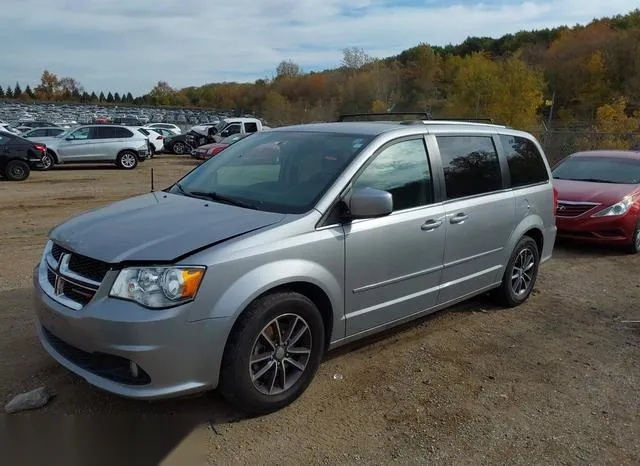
458	218
430	225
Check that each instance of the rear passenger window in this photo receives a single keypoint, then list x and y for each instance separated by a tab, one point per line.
250	127
103	132
403	170
525	161
470	164
122	133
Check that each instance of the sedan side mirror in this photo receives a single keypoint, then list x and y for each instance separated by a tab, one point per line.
370	203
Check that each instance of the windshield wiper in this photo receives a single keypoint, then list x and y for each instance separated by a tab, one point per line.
594	180
181	189
213	196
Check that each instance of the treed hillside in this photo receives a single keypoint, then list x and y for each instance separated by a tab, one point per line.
591	75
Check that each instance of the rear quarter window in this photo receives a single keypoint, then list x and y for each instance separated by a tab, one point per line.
122	133
526	166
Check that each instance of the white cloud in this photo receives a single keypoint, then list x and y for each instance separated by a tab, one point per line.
122	45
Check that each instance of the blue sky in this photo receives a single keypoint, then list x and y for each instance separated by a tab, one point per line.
128	45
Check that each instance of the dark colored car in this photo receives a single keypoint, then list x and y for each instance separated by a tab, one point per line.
18	156
599	197
209	150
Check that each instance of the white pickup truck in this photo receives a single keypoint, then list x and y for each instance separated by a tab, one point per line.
230	126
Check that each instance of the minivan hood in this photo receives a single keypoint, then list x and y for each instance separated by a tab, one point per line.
585	191
156	227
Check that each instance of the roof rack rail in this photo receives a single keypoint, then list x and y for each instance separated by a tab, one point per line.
423	115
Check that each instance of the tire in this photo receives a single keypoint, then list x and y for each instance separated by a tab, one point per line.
266	393
178	148
17	170
634	247
513	291
48	161
127	160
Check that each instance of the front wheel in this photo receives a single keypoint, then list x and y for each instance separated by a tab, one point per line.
521	273
273	353
17	170
47	161
179	148
127	160
634	247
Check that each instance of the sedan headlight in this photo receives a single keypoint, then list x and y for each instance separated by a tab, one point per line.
619	208
158	287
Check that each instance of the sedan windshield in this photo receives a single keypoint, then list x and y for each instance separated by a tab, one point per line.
599	170
280	171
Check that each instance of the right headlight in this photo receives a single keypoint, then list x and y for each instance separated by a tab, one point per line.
158	287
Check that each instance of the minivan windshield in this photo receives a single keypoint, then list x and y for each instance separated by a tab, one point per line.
279	171
599	169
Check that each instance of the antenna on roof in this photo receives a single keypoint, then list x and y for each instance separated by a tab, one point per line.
152	186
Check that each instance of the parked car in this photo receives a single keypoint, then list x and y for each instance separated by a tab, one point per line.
208	134
18	156
241	275
176	129
43	132
122	145
156	140
599	197
209	150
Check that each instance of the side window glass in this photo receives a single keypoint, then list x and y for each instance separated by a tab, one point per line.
81	134
470	164
122	133
403	170
525	161
250	127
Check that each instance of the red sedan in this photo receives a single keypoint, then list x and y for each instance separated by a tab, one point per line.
599	197
209	150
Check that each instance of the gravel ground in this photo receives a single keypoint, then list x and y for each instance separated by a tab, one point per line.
555	381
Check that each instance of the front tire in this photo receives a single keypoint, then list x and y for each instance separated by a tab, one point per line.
521	273
273	353
17	170
634	247
127	160
178	148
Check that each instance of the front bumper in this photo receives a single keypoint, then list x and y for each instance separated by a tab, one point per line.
604	230
99	342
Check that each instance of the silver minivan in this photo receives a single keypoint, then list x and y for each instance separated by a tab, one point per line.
97	144
241	275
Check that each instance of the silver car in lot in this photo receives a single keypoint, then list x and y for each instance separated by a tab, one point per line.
121	145
287	244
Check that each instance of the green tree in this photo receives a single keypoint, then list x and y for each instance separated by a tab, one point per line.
1	92
101	98
129	98
17	91
9	93
93	98
116	98
110	97
29	92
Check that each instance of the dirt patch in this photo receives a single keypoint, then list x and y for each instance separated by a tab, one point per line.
556	380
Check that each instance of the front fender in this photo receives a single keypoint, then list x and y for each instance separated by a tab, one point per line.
235	299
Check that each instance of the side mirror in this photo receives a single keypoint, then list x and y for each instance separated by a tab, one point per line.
369	203
68	138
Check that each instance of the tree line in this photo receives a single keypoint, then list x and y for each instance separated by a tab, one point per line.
582	75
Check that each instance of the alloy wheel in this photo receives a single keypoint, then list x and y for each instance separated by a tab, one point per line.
522	272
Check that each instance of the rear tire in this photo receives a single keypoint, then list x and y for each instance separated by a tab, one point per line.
283	333
127	160
48	161
17	170
520	274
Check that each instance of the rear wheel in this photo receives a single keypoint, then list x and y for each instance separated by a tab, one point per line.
127	160
47	161
521	273
273	353
17	170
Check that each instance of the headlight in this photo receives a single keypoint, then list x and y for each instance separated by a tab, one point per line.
158	287
620	208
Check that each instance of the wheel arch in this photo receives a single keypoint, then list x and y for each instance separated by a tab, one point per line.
54	154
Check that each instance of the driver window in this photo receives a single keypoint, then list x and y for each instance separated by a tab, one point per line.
403	170
80	134
231	129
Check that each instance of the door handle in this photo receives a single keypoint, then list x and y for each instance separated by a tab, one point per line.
430	225
458	218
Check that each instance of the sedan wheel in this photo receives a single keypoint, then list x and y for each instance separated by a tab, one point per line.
47	162
127	160
17	170
179	148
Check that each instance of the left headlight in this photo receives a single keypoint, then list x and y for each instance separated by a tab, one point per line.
619	208
158	287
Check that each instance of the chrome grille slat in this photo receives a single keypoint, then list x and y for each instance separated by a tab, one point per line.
63	276
574	209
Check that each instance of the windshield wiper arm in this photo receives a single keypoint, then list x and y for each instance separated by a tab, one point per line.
595	180
222	198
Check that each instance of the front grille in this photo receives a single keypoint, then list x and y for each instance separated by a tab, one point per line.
573	209
72	279
110	367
